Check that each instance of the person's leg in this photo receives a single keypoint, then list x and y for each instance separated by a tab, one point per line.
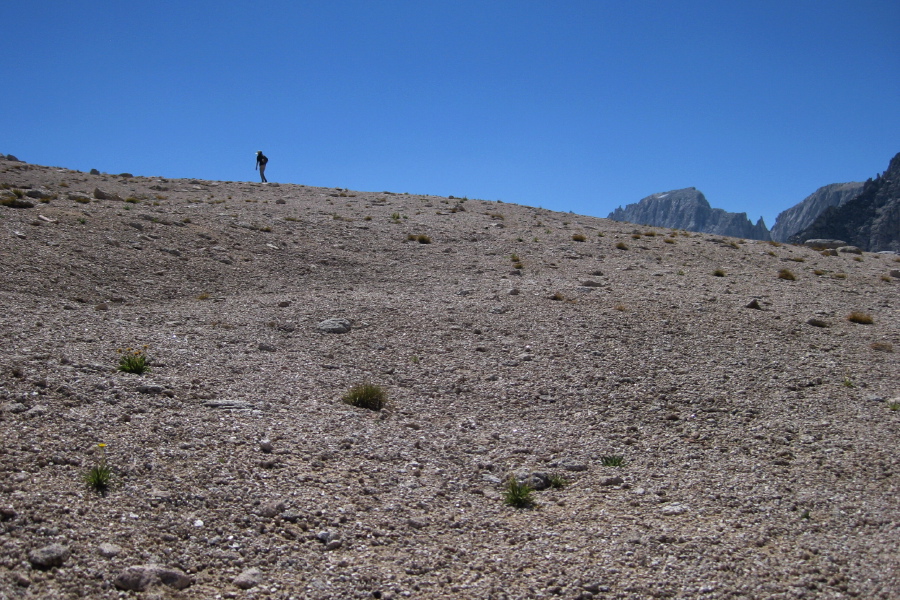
262	173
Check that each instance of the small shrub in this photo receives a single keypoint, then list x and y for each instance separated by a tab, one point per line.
797	259
635	236
622	246
893	405
860	317
367	395
517	495
613	460
882	346
650	233
786	274
557	296
577	237
99	476
669	240
886	278
601	234
840	276
819	272
558	481
423	239
733	244
18	193
858	258
621	307
514	257
132	200
719	273
410	237
82	200
133	361
203	296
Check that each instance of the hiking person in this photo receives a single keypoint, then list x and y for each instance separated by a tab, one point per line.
261	161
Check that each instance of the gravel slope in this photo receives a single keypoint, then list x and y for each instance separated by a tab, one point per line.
760	452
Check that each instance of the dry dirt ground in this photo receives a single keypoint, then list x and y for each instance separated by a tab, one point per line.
760	451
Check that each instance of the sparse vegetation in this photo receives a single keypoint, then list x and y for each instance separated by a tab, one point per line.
719	273
99	476
558	481
840	276
860	317
886	278
366	395
797	259
635	236
613	460
893	405
882	346
621	308
517	495
203	296
578	237
133	361
423	239
622	246
557	296
786	274
669	240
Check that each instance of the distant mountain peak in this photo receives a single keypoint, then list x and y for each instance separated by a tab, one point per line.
688	209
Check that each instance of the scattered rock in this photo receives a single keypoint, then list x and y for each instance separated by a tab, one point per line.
675	508
264	347
612	481
849	250
272	509
139	578
108	550
754	304
50	556
821	244
248	579
101	195
536	481
817	322
335	325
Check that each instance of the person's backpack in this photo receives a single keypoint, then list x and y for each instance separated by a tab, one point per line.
262	159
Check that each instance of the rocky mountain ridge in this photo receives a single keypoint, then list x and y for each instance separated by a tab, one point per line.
802	215
871	220
689	209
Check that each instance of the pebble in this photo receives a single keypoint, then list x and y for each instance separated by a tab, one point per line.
334	325
675	508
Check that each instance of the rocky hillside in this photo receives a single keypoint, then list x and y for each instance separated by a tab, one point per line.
688	209
800	216
696	416
870	221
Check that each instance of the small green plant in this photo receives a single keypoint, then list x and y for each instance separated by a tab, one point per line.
847	382
635	236
395	217
893	405
622	246
558	297
99	476
613	460
578	237
132	200
82	220
415	360
805	515
669	240
133	361
366	395
719	273
203	296
558	481
886	278
840	276
860	317
18	193
517	495
423	239
786	274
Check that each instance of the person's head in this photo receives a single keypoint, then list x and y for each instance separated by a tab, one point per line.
258	152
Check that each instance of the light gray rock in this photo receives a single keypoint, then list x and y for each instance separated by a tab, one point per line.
108	550
534	480
139	578
101	195
823	244
248	579
50	556
335	325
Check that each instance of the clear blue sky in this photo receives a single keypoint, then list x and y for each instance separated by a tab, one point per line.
580	105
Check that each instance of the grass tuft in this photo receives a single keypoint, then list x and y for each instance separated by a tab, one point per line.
786	274
578	237
613	460
517	495
366	395
99	476
860	317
